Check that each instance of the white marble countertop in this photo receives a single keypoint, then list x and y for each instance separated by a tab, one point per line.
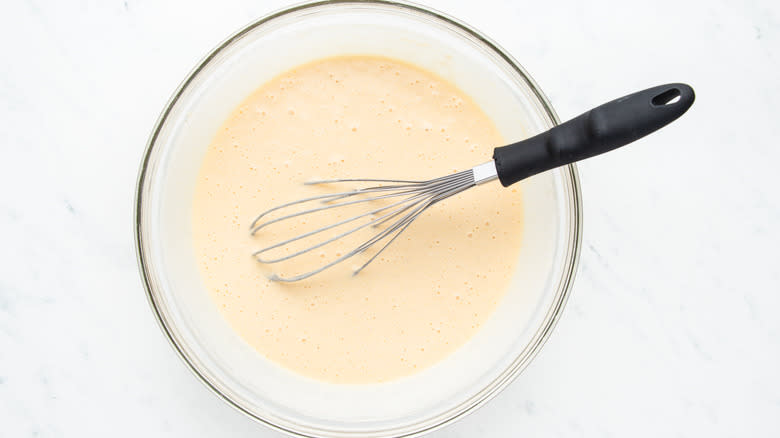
672	329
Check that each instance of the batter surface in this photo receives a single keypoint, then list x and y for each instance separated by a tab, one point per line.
428	293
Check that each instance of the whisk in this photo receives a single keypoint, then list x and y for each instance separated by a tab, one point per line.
602	129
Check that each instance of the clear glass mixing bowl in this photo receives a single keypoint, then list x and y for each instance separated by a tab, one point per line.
241	376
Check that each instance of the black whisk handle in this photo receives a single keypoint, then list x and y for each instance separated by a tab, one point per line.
602	129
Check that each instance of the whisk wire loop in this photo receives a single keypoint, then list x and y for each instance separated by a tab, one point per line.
417	196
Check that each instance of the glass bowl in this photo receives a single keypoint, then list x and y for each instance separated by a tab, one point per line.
413	405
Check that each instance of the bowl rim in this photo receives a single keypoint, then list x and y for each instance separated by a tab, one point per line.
571	257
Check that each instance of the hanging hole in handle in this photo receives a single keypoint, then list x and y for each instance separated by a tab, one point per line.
668	97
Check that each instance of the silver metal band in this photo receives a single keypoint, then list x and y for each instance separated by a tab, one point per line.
485	172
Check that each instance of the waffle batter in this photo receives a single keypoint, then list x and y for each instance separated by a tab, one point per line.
429	292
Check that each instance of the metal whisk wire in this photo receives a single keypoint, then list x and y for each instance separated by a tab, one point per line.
417	196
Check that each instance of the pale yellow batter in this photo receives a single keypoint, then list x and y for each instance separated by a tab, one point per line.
428	293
